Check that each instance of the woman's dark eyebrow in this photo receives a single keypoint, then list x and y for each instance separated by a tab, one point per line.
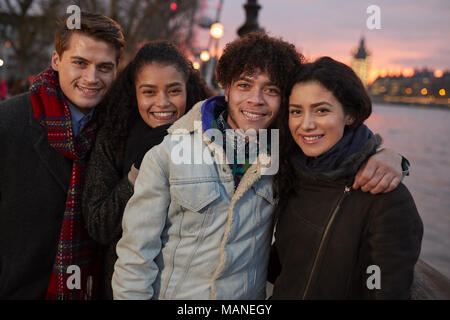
321	103
312	105
146	85
174	84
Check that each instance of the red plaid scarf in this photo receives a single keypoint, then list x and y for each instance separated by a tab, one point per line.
75	247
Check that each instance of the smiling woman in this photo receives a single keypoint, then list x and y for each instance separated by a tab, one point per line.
161	94
316	118
327	249
151	93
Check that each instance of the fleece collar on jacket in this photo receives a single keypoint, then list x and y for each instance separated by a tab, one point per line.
186	124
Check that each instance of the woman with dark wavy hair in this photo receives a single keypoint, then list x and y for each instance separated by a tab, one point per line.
334	242
154	90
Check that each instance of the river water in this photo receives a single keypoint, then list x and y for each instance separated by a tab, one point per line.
422	134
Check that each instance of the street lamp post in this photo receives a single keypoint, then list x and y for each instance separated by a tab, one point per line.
216	31
251	19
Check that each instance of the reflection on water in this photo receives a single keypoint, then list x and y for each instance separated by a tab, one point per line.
422	135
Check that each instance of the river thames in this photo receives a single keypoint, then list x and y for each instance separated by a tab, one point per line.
422	134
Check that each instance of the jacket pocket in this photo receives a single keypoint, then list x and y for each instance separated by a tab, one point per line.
195	201
266	194
195	196
266	203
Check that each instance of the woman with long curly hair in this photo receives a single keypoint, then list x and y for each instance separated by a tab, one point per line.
332	241
154	90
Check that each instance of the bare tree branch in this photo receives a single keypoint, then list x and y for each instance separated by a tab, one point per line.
29	25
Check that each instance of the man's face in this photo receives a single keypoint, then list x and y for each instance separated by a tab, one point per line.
86	70
253	101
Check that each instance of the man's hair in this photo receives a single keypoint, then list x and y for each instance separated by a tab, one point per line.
93	25
258	51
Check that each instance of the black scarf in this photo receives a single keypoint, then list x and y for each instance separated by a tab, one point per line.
351	142
141	138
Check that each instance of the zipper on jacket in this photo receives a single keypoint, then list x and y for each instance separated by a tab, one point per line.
322	241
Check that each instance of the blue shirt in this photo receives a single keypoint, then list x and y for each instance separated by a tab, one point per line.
79	119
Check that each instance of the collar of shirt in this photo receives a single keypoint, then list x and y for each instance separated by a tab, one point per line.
79	119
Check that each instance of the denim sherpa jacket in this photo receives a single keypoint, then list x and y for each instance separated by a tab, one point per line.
187	233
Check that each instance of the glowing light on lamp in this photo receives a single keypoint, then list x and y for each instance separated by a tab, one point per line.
204	55
424	91
408	90
216	30
442	92
1	62
196	65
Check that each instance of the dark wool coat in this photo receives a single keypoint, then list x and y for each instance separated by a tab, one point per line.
107	190
34	179
327	236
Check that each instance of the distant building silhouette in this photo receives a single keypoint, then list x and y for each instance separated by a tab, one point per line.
421	88
360	62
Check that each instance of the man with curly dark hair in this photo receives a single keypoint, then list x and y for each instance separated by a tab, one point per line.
199	226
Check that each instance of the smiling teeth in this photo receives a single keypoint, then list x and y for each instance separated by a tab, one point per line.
163	114
252	115
88	90
312	138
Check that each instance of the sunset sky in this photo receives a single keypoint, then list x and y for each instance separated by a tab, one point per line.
413	34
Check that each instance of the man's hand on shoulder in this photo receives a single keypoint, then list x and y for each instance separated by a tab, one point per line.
382	173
